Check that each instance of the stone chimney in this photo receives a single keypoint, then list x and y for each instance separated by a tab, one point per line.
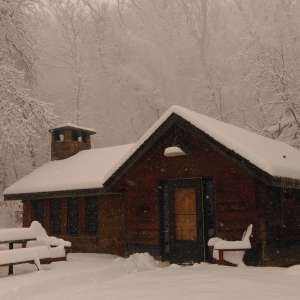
68	139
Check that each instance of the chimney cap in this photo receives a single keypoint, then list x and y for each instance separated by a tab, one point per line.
73	126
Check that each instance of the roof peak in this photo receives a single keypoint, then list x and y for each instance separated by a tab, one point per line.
274	157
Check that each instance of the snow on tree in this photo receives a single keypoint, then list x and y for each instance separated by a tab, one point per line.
70	17
16	42
273	66
23	119
117	65
127	61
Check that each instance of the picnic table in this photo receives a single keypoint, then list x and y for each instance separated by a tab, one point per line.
11	243
13	236
41	246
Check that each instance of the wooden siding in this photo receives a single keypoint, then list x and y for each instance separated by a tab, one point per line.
279	225
235	188
109	237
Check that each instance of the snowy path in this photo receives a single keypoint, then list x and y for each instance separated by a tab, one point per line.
95	276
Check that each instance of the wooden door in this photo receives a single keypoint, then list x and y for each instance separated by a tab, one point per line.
182	223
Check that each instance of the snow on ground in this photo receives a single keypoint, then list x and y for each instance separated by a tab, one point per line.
98	276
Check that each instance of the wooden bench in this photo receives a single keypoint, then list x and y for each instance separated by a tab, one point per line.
221	260
223	246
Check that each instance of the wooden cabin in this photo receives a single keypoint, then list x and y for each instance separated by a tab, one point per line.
187	179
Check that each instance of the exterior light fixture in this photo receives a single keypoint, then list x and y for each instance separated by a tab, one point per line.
174	151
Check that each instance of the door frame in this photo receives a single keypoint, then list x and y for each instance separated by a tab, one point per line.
167	216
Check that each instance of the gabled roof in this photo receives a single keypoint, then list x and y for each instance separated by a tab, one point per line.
91	169
276	158
84	170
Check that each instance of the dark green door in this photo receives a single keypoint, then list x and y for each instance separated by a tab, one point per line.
187	219
182	228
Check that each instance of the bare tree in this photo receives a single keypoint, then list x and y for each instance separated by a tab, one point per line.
71	16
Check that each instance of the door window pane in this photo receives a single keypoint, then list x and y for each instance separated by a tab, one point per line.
185	214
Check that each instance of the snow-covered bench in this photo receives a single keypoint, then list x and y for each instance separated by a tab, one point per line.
231	251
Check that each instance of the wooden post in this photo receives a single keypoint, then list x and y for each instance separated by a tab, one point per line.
221	257
11	267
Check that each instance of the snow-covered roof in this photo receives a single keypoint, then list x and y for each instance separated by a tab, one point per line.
84	170
274	157
92	168
73	126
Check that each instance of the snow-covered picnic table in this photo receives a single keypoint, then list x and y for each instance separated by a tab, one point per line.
13	236
41	246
